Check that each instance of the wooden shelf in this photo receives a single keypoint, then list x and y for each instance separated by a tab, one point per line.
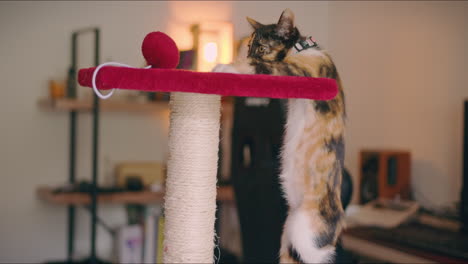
225	194
65	105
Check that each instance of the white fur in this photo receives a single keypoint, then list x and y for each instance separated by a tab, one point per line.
225	68
295	124
299	233
299	114
298	230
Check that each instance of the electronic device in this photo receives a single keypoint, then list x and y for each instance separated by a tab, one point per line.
382	213
422	237
257	134
384	174
464	192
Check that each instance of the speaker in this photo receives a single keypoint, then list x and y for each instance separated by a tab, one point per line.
256	142
384	174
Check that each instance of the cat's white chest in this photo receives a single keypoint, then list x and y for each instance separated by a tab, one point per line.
298	117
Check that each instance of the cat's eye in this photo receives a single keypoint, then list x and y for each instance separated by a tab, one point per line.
261	48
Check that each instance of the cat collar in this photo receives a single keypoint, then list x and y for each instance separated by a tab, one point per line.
308	43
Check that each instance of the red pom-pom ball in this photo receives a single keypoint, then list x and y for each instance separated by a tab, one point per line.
160	51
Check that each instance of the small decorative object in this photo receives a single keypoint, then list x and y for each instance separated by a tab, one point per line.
56	89
148	172
166	53
134	184
187	60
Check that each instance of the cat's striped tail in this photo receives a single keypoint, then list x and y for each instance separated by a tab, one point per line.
309	236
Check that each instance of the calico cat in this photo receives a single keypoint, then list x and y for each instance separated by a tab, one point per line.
313	150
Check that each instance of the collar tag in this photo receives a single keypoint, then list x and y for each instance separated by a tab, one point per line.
305	44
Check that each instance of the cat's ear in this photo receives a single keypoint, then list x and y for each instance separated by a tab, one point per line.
285	26
253	23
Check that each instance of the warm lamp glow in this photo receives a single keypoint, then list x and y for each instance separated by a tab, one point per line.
213	42
210	52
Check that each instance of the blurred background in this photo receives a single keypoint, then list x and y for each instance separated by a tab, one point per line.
403	65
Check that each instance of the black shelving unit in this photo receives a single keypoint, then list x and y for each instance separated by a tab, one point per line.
72	94
73	126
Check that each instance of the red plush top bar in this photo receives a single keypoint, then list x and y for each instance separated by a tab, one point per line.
226	84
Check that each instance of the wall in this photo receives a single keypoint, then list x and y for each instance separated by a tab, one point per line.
402	64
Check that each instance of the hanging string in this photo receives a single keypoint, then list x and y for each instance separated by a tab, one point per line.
95	89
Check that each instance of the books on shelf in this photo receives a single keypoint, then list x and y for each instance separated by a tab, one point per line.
130	241
142	243
151	230
159	246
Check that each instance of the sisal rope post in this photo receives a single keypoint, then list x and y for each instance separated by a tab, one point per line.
190	201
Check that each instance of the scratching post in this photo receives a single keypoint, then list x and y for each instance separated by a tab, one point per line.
190	201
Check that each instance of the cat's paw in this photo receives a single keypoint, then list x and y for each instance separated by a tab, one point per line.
225	68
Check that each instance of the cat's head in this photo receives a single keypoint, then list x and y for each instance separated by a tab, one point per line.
272	42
